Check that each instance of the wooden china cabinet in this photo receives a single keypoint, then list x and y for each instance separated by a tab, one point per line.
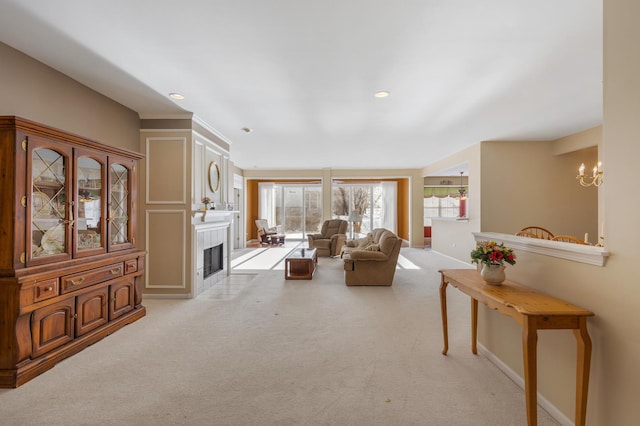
70	272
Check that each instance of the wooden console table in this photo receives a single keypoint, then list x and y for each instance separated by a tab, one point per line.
533	311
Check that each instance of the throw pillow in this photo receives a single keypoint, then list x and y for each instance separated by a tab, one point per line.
365	241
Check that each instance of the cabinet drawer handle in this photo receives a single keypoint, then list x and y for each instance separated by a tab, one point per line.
49	288
115	271
74	282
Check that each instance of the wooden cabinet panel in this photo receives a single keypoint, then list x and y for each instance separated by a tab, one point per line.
122	299
91	311
52	326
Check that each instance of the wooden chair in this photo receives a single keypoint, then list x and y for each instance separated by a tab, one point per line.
569	239
264	231
526	234
539	232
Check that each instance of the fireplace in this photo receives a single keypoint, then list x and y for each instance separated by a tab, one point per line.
213	260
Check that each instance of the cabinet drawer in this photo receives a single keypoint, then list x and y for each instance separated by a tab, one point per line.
130	266
94	276
45	290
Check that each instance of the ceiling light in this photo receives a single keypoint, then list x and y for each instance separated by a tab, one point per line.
177	96
381	94
247	129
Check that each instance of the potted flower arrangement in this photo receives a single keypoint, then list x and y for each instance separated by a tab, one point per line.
206	201
492	256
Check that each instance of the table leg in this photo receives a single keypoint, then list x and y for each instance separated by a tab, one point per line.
443	309
583	369
529	354
474	326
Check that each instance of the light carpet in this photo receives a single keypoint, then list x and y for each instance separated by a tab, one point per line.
260	350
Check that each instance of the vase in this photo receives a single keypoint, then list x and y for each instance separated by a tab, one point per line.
493	274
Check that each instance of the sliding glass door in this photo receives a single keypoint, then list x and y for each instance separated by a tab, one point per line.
365	206
296	209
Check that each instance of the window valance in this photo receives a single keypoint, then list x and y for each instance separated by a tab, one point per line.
440	191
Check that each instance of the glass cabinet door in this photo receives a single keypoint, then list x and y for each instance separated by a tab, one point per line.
49	224
120	199
89	221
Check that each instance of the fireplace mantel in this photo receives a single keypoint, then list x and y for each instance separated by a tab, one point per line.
212	216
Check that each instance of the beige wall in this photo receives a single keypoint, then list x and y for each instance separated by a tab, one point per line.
39	93
165	220
512	185
450	237
612	292
173	180
544	186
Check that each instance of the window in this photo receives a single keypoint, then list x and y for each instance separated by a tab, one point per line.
374	204
443	201
296	209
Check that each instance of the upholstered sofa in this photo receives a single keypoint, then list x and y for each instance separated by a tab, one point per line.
331	238
372	261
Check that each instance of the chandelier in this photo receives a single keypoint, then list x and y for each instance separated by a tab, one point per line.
461	191
596	179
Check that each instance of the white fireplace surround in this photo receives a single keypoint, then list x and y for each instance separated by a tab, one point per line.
210	228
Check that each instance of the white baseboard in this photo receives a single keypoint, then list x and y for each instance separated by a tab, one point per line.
468	265
542	401
165	296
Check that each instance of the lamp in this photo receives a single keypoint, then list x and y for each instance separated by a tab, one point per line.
461	191
596	179
354	217
462	208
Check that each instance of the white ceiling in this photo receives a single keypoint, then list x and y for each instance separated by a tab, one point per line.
302	73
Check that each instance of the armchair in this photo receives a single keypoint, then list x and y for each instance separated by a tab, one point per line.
331	238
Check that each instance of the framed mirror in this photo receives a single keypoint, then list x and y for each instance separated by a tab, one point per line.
214	176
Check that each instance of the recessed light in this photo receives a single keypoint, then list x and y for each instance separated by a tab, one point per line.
247	129
381	94
177	96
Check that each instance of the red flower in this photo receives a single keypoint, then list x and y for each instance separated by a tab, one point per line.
511	257
496	256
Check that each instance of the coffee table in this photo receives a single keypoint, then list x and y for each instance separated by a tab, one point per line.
300	264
